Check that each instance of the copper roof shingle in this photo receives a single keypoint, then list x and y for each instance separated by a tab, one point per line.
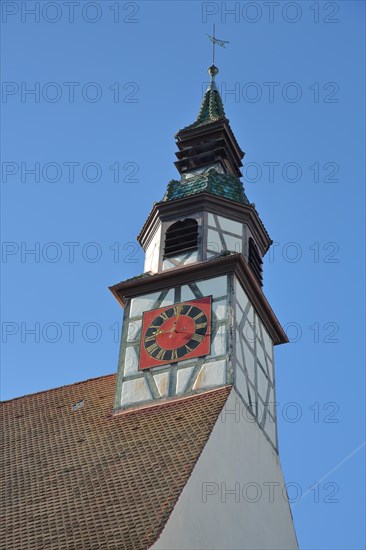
213	182
85	479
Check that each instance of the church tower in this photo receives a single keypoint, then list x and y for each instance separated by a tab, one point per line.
197	321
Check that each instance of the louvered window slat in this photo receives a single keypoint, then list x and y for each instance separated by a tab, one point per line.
181	237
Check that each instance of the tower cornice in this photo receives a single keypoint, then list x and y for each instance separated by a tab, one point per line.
243	213
224	264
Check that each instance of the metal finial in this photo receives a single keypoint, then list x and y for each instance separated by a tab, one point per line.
213	71
215	41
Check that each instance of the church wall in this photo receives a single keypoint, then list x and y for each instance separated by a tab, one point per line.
236	498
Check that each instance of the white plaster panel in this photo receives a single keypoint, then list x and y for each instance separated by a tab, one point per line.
181	259
131	365
183	375
260	411
135	391
260	355
187	294
193	257
152	253
133	330
168	264
162	383
268	344
241	383
262	383
270	428
239	353
249	362
234	244
248	331
218	344
270	369
231	226
253	399
169	299
211	220
148	301
205	517
143	303
271	402
250	315
213	241
220	309
211	374
241	296
215	287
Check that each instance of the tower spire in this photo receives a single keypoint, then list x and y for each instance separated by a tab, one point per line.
212	108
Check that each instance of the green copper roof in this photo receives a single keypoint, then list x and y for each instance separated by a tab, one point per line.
223	185
212	108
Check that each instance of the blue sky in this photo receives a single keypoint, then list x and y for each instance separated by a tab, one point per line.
112	85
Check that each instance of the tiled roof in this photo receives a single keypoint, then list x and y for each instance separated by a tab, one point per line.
84	479
212	108
223	185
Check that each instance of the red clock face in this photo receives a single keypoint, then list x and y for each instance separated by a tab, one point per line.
176	333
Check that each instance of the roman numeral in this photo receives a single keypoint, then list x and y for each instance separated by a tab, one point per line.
150	338
177	310
197	337
174	355
189	310
151	349
164	316
160	355
198	315
188	349
201	325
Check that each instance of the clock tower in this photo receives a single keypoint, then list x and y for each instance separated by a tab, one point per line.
197	318
197	322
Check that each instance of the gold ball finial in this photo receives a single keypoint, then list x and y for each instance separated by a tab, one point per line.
213	71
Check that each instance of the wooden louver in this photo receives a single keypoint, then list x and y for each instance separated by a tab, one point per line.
255	261
181	237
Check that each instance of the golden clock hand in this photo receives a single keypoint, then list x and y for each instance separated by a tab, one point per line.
176	321
159	332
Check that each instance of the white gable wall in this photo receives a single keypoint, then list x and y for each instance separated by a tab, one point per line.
235	497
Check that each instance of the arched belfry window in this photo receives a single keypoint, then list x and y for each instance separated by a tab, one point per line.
255	261
181	237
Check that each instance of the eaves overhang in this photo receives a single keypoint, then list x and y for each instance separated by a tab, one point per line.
224	264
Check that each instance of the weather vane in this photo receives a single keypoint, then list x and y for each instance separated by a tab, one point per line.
215	41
